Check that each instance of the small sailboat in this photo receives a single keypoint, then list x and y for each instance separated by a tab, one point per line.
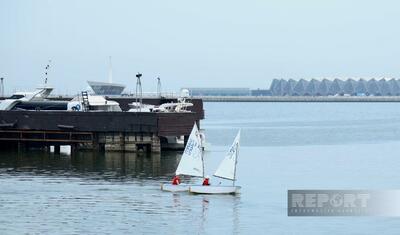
191	163
226	170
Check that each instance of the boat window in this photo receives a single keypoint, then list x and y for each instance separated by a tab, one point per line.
15	97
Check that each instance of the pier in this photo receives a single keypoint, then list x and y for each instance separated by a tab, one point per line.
100	130
300	98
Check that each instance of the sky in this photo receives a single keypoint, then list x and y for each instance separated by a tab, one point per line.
208	43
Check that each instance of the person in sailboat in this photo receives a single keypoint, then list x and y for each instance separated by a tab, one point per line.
190	164
176	180
226	170
206	181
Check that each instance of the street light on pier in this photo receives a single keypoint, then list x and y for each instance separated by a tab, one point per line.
139	91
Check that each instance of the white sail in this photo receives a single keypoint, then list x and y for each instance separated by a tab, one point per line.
227	168
192	159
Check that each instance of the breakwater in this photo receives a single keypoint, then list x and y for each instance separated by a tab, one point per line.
300	98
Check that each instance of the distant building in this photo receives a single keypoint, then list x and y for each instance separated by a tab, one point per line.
106	88
219	91
260	92
325	87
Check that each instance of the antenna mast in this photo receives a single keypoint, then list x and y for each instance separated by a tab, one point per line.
46	72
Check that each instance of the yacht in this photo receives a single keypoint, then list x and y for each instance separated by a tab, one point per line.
89	102
180	106
40	94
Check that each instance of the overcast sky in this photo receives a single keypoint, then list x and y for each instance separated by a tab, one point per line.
204	43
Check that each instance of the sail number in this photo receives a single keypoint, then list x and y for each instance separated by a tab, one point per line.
190	146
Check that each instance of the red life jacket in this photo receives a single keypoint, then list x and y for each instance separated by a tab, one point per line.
176	180
206	182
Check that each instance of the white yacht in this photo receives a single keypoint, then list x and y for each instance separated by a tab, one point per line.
139	107
40	94
180	106
89	102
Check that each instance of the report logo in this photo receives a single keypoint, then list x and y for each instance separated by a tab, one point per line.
343	203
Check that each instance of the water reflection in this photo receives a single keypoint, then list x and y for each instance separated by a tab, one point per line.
100	186
208	213
225	208
113	165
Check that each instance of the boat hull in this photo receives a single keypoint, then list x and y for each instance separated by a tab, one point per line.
175	188
214	189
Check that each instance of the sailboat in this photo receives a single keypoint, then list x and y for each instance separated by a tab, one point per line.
226	170
191	162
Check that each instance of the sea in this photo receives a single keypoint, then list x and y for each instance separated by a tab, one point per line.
284	146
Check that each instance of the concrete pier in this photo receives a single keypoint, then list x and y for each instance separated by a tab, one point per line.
100	130
110	142
130	142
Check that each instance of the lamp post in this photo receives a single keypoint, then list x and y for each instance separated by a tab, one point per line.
2	87
159	87
139	91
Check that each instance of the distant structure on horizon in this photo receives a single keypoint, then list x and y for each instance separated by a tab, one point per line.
106	88
337	87
219	91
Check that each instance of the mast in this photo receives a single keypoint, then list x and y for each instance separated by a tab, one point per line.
234	170
46	73
202	155
201	149
191	162
227	167
110	72
237	155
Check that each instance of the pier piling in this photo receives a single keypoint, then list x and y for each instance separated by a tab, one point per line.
57	149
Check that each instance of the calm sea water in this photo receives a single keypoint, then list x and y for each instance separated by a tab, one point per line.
284	146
